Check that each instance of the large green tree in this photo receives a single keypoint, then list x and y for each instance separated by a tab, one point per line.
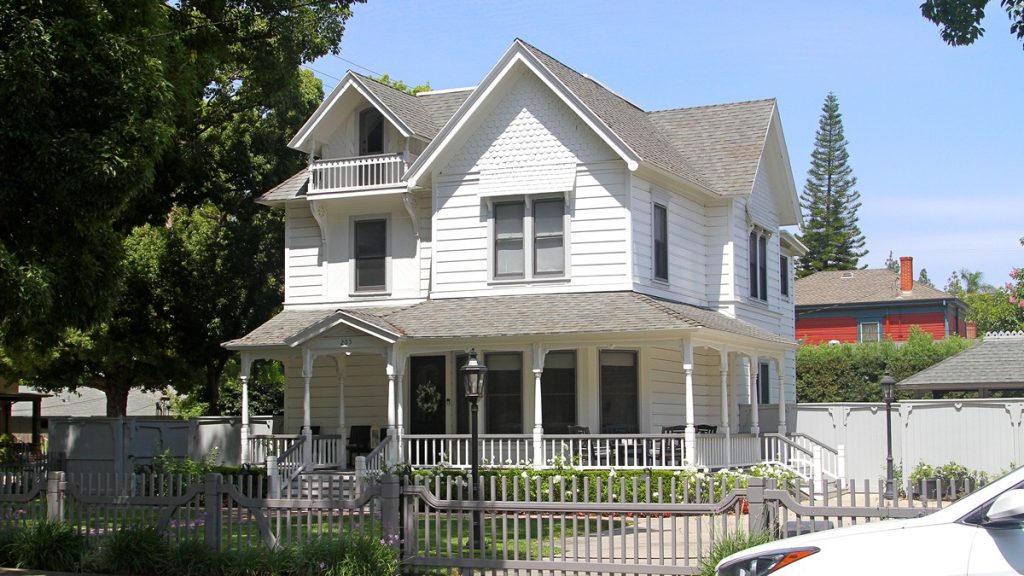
830	200
230	71
87	112
959	21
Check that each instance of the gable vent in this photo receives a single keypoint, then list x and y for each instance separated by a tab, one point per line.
847	275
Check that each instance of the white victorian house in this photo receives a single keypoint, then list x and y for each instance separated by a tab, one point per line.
620	271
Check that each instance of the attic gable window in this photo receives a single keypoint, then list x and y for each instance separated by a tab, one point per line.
371	132
528	238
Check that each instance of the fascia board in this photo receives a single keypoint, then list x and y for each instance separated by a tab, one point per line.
350	80
300	137
775	125
514	55
795	245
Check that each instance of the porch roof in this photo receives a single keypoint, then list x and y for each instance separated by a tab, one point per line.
502	316
995	363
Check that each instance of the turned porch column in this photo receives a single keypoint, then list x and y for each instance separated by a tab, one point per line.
755	425
340	364
782	395
690	434
244	371
538	408
307	425
724	372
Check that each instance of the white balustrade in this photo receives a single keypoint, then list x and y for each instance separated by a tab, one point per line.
358	173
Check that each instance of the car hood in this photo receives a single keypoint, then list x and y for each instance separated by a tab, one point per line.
815	538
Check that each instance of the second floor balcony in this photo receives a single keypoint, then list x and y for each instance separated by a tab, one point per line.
358	173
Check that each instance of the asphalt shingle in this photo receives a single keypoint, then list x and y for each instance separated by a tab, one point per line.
994	363
859	286
407	107
294	187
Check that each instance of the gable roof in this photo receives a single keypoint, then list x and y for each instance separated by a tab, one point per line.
519	315
994	363
723	141
442	104
860	286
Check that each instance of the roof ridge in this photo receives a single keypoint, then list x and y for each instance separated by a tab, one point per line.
719	105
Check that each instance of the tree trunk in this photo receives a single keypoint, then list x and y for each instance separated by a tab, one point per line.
117	399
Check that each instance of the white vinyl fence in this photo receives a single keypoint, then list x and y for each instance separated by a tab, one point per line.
981	434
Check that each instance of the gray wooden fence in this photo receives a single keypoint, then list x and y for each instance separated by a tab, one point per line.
116	445
981	434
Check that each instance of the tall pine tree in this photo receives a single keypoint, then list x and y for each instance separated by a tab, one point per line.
829	200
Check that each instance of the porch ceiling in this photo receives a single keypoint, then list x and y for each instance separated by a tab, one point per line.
504	316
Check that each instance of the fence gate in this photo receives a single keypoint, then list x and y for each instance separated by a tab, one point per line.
591	525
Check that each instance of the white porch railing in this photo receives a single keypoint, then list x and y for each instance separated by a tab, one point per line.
584	450
325	449
425	450
832	465
358	173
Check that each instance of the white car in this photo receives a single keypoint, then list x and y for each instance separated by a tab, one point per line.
982	533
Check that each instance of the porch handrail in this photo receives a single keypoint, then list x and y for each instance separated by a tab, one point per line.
265	445
358	173
290	461
778	449
378	457
831	459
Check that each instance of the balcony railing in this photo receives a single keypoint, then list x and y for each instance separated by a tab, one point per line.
359	173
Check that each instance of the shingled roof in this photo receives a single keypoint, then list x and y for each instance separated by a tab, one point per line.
723	141
860	286
997	362
521	315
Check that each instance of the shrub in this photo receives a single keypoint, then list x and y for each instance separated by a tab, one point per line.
952	475
49	546
729	545
260	562
130	551
8	538
350	556
195	558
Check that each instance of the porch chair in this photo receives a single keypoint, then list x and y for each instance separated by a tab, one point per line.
358	443
673	447
706	429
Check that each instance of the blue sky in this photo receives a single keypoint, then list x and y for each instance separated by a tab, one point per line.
934	134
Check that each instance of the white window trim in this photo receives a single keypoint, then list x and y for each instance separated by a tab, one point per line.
760	232
359	130
353	289
528	238
878	331
654	252
788	294
640	397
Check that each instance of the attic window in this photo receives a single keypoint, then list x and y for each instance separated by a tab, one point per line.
371	132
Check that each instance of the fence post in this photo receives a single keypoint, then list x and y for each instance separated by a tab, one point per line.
273	478
755	505
54	496
390	494
360	475
211	493
816	471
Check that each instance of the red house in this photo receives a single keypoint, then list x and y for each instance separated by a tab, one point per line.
872	305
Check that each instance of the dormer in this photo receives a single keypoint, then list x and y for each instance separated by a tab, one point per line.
363	137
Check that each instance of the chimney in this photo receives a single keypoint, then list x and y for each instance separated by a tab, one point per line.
906	274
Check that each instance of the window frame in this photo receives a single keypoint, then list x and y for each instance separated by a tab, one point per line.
529	239
601	392
362	143
354	289
502	399
878	331
757	263
784	275
549	399
764	383
656	256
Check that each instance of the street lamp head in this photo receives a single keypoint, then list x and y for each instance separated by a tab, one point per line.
888	387
474	374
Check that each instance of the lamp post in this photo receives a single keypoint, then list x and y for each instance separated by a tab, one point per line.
474	374
888	386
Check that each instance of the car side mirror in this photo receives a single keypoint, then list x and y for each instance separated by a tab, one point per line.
1007	508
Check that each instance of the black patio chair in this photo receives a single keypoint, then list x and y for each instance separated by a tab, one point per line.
706	429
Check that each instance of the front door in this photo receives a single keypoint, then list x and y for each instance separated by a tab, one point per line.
427	395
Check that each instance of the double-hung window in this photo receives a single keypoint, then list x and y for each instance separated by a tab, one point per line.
758	256
529	239
660	243
870	332
784	275
370	255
